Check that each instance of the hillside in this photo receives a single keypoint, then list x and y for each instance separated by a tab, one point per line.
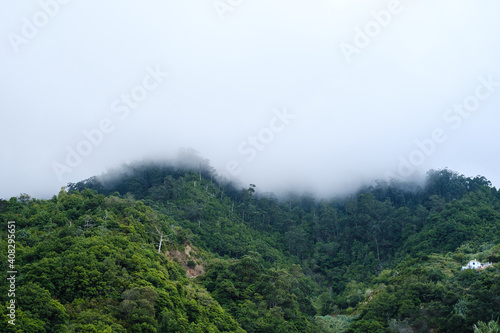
386	259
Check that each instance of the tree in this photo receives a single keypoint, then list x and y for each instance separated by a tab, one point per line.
491	327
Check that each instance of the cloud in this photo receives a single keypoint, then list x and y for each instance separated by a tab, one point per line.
226	79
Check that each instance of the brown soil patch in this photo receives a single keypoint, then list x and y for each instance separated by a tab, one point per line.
184	257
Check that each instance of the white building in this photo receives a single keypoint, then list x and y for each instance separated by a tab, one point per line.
474	264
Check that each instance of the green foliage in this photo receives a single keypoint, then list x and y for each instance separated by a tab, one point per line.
191	264
387	259
491	327
367	326
262	300
99	270
334	324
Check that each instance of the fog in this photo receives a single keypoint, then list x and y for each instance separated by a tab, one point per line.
305	95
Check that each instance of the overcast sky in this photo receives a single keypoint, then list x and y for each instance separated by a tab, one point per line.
316	95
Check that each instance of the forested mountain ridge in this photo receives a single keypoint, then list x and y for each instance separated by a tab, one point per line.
88	263
386	259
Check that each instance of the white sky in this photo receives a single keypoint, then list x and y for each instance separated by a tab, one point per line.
353	122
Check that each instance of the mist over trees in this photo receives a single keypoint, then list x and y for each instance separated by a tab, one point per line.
385	259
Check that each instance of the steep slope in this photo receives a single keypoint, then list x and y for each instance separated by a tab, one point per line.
88	263
386	259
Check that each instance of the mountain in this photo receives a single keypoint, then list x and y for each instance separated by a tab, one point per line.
232	259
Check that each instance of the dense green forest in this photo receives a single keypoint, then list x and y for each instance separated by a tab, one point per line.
385	259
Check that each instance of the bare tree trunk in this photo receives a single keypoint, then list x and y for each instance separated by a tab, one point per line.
159	246
161	239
